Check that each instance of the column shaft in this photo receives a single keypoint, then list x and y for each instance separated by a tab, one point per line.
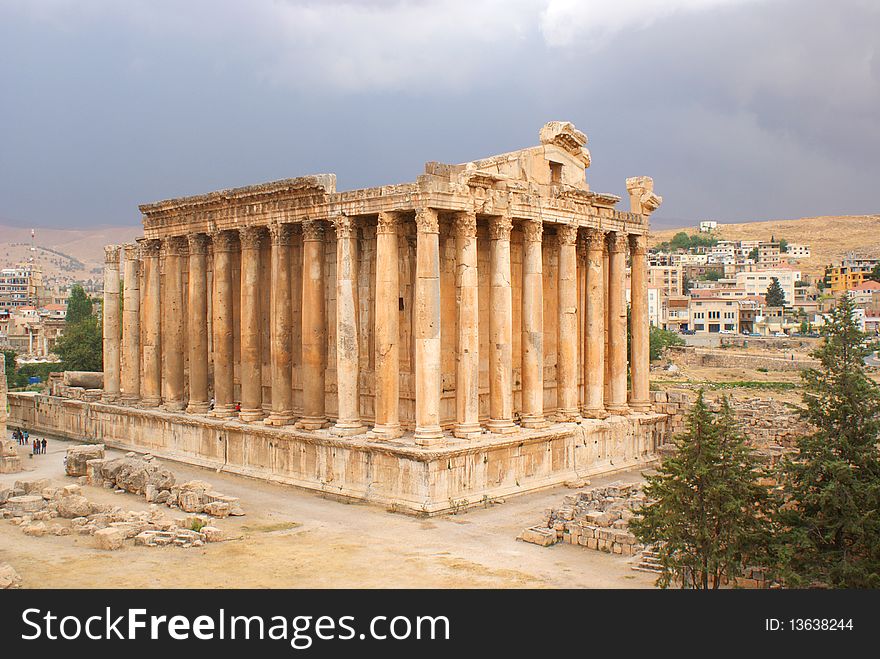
567	324
348	421
281	327
131	326
617	246
152	318
640	356
111	329
467	373
500	329
173	340
594	326
426	331
224	243
314	343
197	327
532	349
251	343
387	382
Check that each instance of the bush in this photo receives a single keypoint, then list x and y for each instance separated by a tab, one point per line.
660	340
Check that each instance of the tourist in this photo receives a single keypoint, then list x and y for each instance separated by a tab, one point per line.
26	438
211	404
36	448
43	446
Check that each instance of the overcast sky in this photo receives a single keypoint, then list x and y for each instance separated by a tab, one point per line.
739	109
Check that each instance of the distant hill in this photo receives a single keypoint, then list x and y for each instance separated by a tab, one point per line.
830	237
65	255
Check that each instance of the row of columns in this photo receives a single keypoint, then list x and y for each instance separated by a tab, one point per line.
161	357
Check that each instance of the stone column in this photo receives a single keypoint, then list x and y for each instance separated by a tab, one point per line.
197	327
387	384
467	372
348	421
532	349
111	333
251	343
617	247
640	355
172	324
594	327
225	244
567	324
152	364
131	326
426	330
500	328
314	343
281	326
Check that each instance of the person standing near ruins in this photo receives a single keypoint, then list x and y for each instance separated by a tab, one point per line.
43	446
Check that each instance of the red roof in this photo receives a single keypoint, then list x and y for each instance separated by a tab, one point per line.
868	285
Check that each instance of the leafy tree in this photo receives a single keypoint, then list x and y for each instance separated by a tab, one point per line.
829	524
711	275
775	295
79	305
874	274
705	516
81	346
783	245
753	255
10	367
660	340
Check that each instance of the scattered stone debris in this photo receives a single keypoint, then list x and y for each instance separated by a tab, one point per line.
595	518
40	508
9	578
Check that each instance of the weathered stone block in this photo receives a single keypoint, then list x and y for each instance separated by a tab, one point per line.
109	538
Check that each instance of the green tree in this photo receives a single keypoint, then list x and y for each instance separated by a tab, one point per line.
830	521
81	346
660	340
775	295
705	516
783	245
874	274
79	305
711	275
10	367
753	255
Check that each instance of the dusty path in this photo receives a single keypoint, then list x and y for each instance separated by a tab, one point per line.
297	539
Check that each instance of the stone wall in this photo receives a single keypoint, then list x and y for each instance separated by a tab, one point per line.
764	421
728	358
399	475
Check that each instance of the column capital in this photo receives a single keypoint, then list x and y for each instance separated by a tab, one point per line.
616	242
387	222
198	243
343	225
175	246
224	241
638	244
281	233
595	239
131	251
466	224
313	230
532	230
250	237
149	247
111	254
566	234
500	227
427	220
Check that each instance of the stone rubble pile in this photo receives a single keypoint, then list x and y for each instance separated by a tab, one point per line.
40	508
9	578
595	518
145	476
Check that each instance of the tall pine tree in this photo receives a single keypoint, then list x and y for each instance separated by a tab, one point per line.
775	296
830	518
705	516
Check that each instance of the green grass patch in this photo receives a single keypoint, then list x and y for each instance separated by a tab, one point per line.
733	384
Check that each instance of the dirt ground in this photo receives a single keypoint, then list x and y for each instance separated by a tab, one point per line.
296	539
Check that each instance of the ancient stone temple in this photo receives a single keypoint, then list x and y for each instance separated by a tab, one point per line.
425	344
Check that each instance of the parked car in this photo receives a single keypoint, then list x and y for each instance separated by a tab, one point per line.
727	332
689	332
781	334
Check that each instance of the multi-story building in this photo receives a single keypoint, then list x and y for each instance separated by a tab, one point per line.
798	251
708	226
769	255
862	294
756	282
713	315
667	278
32	332
677	314
851	273
656	307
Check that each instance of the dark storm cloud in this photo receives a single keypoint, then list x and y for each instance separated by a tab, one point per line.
739	110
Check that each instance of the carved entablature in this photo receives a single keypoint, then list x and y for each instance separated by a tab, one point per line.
500	227
225	241
466	224
642	197
427	220
251	237
387	223
566	234
617	242
111	254
532	230
281	233
595	240
313	230
198	243
563	134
